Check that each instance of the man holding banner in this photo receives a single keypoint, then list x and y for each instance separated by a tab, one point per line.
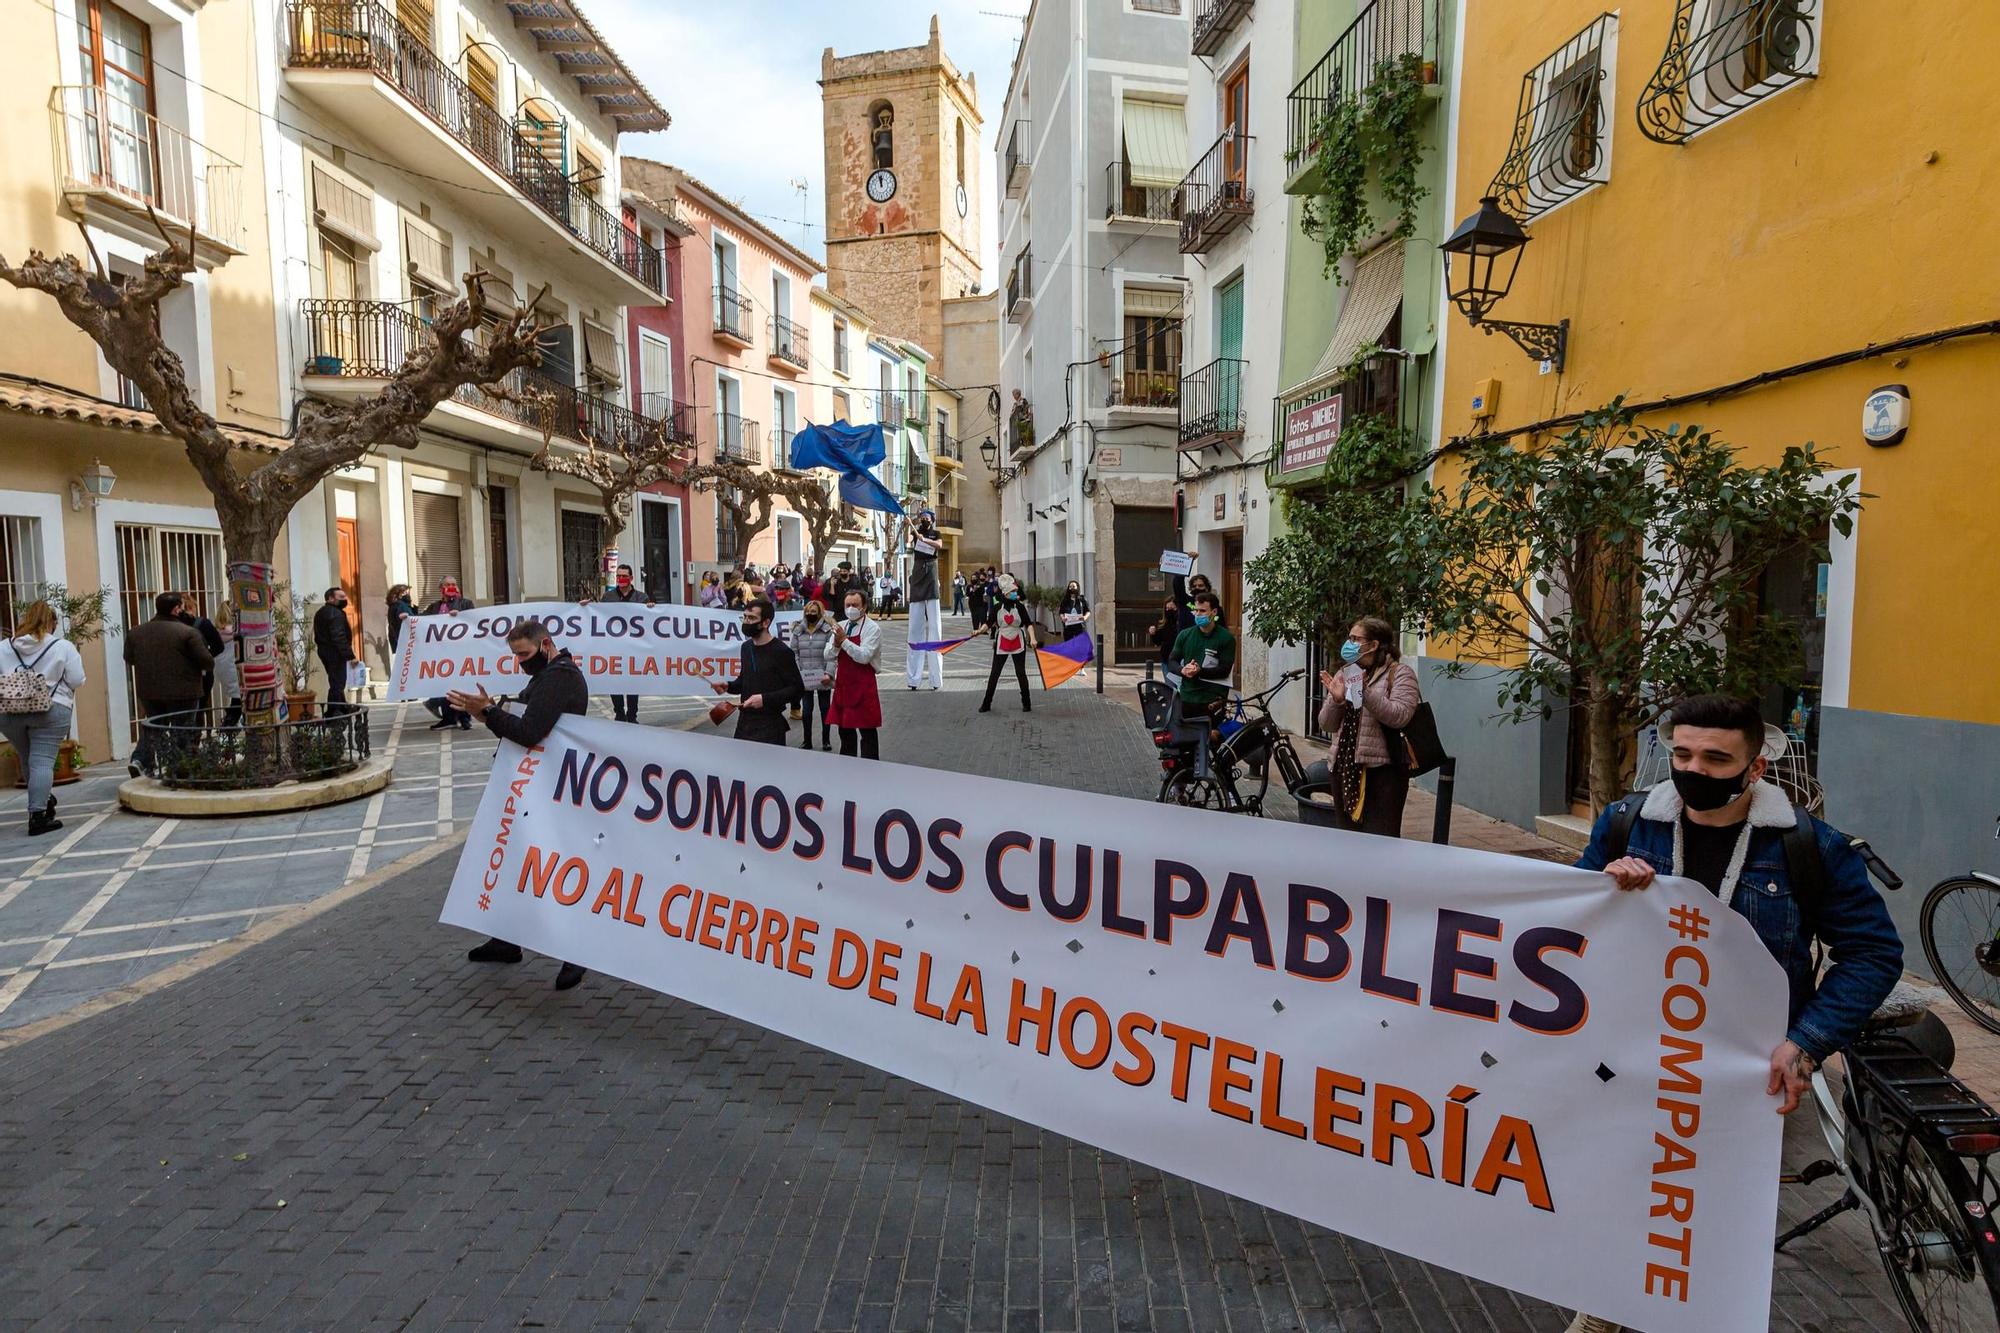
555	687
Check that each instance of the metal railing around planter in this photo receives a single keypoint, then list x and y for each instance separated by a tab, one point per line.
736	439
788	341
1123	199
1383	30
362	35
1212	403
1215	198
194	750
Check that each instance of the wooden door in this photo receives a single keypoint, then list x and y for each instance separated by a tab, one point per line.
347	535
1232	592
1236	118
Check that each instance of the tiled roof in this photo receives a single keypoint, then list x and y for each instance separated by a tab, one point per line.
581	52
60	404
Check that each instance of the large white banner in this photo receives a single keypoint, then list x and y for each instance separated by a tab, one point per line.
1490	1063
622	647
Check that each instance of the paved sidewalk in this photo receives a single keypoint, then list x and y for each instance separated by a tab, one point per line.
349	1126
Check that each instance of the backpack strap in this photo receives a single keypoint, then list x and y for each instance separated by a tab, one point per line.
1618	833
1804	866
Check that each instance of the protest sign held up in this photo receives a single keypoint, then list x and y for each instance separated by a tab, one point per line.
1485	1062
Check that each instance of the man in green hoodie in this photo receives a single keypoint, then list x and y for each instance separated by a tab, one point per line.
1206	653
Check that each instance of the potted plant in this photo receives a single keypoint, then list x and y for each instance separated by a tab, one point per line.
291	633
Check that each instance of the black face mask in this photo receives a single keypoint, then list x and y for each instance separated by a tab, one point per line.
1704	791
535	665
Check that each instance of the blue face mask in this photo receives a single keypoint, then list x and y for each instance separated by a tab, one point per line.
1350	651
1202	620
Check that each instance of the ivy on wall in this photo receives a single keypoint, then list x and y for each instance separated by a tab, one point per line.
1378	128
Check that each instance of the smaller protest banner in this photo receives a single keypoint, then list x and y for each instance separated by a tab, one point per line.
1176	562
621	648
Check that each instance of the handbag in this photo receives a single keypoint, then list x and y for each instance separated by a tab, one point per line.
24	689
1415	747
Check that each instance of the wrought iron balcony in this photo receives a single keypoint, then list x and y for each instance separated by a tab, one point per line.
951	516
1125	201
889	409
1561	141
114	162
949	447
1131	382
1021	287
1016	174
732	316
916	477
788	342
1215	198
1721	58
1214	20
363	35
674	420
728	550
1384	32
736	440
1212	406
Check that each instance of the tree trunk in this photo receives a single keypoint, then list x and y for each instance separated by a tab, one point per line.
1610	769
249	543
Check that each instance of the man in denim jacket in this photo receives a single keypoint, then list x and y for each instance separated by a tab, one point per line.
1717	822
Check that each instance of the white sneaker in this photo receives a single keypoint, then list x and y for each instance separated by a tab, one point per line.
1590	1323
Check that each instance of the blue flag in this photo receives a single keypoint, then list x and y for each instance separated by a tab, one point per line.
849	451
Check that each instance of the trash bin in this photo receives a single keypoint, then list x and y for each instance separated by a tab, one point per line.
1317	804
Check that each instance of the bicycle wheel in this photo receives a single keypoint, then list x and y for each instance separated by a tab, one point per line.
1960	916
1184	788
1941	1279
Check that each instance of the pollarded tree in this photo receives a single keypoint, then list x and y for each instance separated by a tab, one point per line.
620	468
1617	567
120	313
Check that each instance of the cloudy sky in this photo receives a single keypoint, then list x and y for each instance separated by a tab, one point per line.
740	79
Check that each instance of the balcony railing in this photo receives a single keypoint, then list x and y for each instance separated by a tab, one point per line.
781	447
108	147
736	440
951	516
732	315
1214	20
788	341
1016	177
362	35
840	361
917	478
1384	31
1215	198
1123	199
1021	287
949	446
889	409
1150	382
728	551
372	339
675	419
1211	401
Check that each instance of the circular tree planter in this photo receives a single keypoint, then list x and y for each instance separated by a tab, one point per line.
195	765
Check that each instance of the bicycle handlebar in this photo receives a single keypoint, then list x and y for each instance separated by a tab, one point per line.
1876	865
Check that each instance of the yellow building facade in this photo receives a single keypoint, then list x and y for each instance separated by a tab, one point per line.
1725	192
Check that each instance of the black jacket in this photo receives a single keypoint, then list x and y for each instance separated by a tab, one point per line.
923	568
440	606
399	611
333	637
771	670
632	594
557	689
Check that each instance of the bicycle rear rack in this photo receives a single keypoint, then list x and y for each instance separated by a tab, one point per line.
1921	1089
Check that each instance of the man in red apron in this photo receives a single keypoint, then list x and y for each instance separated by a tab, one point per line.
856	709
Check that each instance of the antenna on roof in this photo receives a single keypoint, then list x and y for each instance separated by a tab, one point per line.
800	184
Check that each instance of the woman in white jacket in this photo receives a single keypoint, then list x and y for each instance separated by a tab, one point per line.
38	647
856	709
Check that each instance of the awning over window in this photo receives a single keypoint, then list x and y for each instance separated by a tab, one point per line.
1155	143
1372	300
600	351
344	205
427	250
1153	301
498	288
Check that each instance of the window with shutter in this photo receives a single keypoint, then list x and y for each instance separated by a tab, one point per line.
419	16
435	533
482	75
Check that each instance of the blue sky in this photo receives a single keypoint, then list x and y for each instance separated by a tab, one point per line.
740	79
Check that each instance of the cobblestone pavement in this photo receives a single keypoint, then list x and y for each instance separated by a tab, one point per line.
347	1125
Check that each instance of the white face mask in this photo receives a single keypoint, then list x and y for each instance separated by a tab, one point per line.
854	613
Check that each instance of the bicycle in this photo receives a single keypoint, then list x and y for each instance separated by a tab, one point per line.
1971	976
1251	742
1915	1146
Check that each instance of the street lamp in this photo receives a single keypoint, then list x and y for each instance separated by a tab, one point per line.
990	453
1481	257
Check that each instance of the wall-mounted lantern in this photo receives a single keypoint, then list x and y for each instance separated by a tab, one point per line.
1481	257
